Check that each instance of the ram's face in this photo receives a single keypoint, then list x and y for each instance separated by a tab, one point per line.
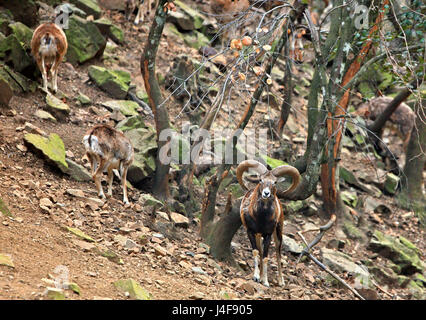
267	185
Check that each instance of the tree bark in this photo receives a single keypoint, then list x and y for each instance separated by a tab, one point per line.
336	125
412	179
161	116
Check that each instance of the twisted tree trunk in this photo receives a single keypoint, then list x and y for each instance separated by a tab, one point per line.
161	115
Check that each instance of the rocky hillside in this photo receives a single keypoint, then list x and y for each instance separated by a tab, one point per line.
58	240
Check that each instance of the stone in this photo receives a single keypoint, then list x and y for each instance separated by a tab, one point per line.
134	290
114	82
24	11
110	30
126	107
91	7
112	4
402	253
51	147
84	245
290	245
148	200
44	115
83	99
6	260
57	107
160	251
340	262
179	220
80	234
55	294
350	198
391	183
22	33
85	41
197	18
198	270
77	172
4	210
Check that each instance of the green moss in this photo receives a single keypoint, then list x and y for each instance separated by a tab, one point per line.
126	107
4	209
22	33
133	288
52	147
80	234
404	256
198	18
85	41
115	82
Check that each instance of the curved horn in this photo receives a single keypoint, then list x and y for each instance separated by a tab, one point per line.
245	165
290	171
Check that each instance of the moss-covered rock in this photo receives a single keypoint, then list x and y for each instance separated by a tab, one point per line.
80	234
400	252
85	41
144	140
24	11
52	147
391	183
6	260
15	82
57	107
126	107
195	16
114	82
91	7
13	52
4	209
22	33
110	30
133	288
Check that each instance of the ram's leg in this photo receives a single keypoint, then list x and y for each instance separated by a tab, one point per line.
278	242
124	184
256	255
44	75
110	180
264	267
97	176
139	15
54	75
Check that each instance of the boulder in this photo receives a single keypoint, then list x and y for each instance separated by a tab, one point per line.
85	41
399	250
77	172
91	7
196	17
340	262
12	82
51	147
179	220
22	33
144	140
114	82
291	245
391	183
24	11
126	107
14	53
57	107
44	115
110	30
134	290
